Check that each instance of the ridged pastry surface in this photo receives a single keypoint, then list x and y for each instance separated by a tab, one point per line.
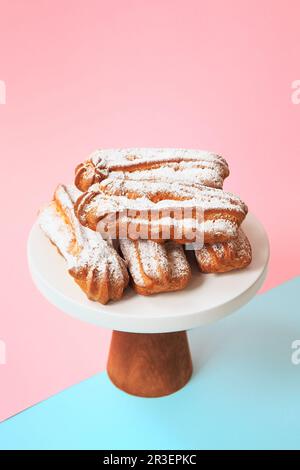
213	213
93	262
223	257
153	164
156	267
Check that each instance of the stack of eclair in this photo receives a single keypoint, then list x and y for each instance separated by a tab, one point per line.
119	188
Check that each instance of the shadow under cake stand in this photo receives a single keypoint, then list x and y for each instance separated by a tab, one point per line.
149	352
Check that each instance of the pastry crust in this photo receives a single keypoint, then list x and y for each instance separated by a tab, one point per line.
194	166
152	201
223	257
155	191
156	267
161	211
92	262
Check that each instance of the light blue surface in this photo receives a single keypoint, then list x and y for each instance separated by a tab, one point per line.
245	393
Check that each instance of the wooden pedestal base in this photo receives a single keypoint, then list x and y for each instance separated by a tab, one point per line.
149	365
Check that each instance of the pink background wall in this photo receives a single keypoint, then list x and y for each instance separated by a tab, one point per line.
83	74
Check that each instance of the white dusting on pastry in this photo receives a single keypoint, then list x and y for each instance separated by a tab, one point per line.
190	166
126	157
221	257
178	263
122	192
150	261
82	248
103	205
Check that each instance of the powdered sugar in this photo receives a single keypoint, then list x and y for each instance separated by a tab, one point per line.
58	232
126	157
179	265
202	196
222	257
185	172
150	261
81	247
153	164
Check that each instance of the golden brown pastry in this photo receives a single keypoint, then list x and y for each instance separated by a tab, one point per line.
223	257
92	262
160	211
188	166
156	267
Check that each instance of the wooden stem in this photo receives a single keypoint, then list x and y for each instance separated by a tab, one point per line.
149	365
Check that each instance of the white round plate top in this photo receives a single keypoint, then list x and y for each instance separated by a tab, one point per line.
207	298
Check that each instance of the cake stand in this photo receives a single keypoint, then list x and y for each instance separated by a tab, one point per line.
149	353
